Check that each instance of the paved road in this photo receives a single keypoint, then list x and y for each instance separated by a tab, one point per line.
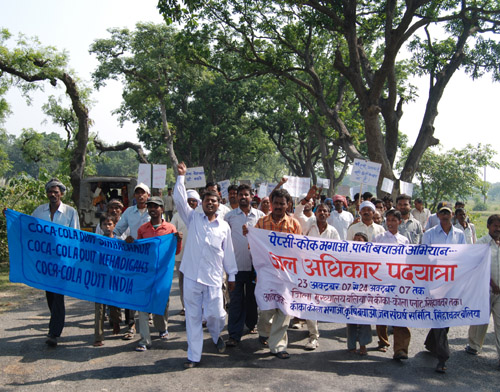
27	364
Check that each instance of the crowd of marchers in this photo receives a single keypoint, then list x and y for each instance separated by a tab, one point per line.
215	269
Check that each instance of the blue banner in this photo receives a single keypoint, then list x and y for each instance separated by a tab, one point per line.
91	267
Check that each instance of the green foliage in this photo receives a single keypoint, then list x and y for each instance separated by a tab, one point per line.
117	163
453	175
480	206
209	118
494	191
24	193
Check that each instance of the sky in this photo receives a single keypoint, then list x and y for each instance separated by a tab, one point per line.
468	112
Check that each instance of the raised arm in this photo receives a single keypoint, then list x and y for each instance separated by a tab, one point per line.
180	195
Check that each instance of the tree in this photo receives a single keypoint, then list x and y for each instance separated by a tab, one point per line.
28	66
365	39
453	175
208	119
146	63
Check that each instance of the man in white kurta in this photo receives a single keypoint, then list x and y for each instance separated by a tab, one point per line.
320	228
339	218
477	333
366	225
207	253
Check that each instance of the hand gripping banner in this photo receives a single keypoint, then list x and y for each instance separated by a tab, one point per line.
417	286
91	267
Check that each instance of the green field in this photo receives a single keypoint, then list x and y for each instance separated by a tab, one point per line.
479	218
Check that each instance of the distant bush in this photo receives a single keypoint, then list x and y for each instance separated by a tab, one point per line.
480	206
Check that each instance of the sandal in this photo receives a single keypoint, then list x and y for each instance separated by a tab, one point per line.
382	349
281	355
98	343
164	335
362	351
129	335
141	348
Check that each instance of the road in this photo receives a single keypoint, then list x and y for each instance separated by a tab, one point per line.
27	364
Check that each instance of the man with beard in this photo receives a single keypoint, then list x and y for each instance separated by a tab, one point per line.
208	252
242	306
444	233
367	225
57	212
410	227
339	218
274	333
232	195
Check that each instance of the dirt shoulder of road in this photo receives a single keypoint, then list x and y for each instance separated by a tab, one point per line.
12	295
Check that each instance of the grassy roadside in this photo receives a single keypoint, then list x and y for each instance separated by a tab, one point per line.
13	295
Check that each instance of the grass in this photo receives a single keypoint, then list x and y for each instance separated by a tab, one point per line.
12	295
479	218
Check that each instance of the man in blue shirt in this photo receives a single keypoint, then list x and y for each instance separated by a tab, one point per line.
444	233
57	212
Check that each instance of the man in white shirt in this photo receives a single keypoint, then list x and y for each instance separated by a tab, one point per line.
320	228
477	333
304	210
243	306
168	202
339	218
207	253
367	225
222	210
420	213
402	335
57	212
444	233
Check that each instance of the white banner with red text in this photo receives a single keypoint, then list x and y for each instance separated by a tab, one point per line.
418	286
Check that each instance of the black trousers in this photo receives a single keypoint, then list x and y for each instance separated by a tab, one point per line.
437	343
242	307
57	313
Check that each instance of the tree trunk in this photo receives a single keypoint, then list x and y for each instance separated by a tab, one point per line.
77	162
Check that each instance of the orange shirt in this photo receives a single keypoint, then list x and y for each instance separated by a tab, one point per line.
147	231
285	225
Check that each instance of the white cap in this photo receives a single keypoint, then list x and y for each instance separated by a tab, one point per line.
368	204
142	186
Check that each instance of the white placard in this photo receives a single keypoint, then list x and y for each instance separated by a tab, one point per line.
159	176
144	175
223	188
263	190
297	185
406	188
323	183
195	177
365	172
354	190
387	185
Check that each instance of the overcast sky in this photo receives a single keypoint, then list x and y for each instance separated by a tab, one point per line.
468	112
